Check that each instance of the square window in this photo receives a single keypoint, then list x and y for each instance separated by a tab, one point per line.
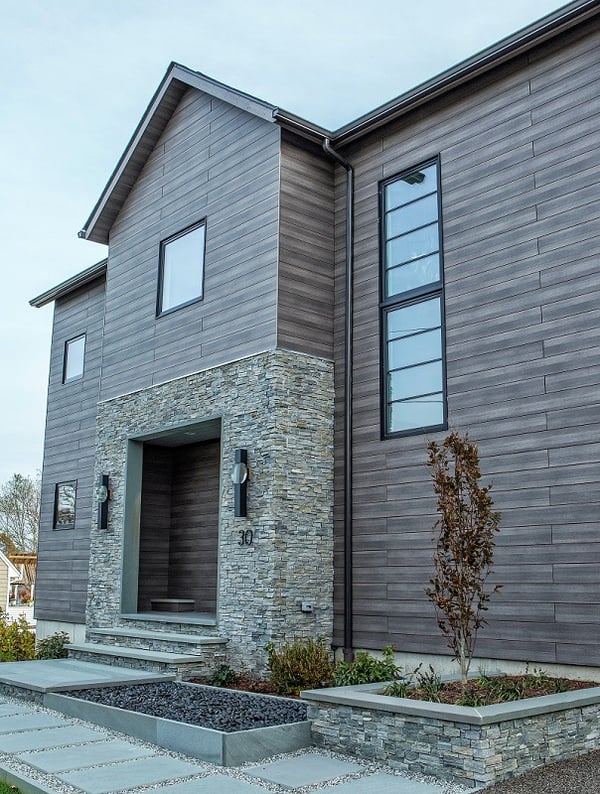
74	358
64	504
181	269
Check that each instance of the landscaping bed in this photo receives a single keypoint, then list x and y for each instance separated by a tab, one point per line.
216	725
472	746
483	690
219	709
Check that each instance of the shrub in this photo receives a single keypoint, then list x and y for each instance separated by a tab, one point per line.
17	640
301	664
53	647
223	676
367	669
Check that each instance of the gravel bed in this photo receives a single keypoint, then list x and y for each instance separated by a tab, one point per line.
221	709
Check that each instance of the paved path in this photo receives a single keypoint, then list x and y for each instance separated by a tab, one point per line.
43	751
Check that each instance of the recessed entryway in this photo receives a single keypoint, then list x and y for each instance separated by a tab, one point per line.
172	521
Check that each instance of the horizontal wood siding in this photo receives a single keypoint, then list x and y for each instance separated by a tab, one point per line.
305	306
155	525
62	573
195	524
519	155
216	162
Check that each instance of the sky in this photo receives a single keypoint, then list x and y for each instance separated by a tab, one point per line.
77	76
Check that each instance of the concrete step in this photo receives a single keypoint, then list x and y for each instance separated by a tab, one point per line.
183	665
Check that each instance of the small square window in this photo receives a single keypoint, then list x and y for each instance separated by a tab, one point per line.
74	357
181	269
64	504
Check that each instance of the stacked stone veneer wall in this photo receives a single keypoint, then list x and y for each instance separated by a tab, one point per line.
279	406
496	743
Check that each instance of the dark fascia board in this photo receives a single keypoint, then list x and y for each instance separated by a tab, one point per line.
176	81
525	39
71	284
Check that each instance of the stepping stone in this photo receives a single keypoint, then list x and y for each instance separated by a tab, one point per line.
49	737
84	756
303	770
212	784
30	721
6	709
382	784
131	774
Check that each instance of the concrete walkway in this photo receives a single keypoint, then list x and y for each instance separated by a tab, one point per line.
44	752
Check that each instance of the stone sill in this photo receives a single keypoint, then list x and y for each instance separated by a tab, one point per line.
369	696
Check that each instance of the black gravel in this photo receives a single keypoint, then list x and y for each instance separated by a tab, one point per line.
221	709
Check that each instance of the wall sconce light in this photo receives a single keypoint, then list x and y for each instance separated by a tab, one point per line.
239	477
103	499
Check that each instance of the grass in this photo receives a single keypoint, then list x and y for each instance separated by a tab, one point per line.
6	789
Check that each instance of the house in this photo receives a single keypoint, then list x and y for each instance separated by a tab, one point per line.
240	395
8	574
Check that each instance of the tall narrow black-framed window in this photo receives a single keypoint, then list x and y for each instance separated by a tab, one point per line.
181	269
74	358
412	302
65	497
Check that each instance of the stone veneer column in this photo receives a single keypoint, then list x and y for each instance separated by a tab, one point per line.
279	406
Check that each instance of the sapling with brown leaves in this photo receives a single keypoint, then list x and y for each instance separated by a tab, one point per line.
464	544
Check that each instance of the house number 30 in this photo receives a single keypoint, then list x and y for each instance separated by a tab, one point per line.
246	537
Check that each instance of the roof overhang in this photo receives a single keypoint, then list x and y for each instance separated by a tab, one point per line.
174	84
178	79
519	43
71	284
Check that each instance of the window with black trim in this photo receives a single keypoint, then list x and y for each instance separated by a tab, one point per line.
65	497
181	270
412	302
74	358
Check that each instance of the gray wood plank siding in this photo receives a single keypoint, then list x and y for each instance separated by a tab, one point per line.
212	161
306	255
62	574
519	154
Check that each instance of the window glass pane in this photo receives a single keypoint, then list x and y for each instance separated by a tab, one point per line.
412	275
406	218
183	269
419	412
414	349
64	508
411	186
413	318
412	245
415	381
74	356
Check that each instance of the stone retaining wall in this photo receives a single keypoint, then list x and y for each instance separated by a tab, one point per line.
463	745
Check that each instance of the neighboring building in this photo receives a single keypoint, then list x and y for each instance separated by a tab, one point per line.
8	574
219	325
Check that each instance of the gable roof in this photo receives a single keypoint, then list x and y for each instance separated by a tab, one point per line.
13	573
179	78
172	87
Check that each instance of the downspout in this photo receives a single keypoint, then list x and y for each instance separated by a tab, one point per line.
347	433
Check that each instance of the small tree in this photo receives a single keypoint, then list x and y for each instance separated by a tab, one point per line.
19	514
464	545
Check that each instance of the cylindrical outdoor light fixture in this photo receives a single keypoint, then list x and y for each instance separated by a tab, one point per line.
239	478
